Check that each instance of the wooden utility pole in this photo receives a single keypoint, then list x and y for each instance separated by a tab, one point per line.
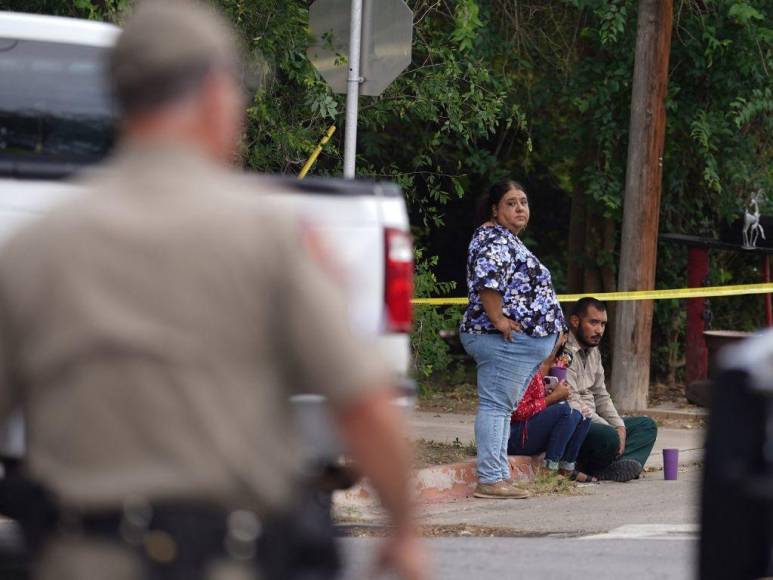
641	205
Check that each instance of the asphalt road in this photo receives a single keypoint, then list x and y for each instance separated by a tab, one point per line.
632	552
543	558
644	529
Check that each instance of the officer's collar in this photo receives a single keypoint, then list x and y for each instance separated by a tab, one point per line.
160	150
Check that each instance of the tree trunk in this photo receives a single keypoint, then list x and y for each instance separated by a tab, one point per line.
641	205
591	273
609	279
607	265
574	275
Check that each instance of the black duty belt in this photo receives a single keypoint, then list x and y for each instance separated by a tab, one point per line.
178	541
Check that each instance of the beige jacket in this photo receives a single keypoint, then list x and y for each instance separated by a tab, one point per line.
589	391
153	329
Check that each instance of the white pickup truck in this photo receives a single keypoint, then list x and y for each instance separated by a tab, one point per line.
56	119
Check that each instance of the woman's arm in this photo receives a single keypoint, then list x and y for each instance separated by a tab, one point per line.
492	304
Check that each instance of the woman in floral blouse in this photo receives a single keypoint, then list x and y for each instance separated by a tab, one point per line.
511	324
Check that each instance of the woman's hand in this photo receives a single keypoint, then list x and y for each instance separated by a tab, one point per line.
506	326
492	304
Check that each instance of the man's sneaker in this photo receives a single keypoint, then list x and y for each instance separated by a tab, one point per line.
500	490
621	470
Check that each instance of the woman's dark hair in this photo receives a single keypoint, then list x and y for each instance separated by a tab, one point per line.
493	196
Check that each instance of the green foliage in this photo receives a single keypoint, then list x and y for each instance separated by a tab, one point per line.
612	21
104	10
743	13
425	132
746	110
467	24
430	351
517	89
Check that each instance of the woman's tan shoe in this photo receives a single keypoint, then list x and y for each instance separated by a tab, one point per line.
500	490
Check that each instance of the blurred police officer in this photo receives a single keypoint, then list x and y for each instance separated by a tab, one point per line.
154	327
737	493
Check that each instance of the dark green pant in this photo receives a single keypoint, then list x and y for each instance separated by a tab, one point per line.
602	443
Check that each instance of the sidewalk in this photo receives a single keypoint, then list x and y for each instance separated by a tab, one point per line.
446	483
447	427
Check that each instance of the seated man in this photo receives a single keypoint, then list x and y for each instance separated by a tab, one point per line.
615	449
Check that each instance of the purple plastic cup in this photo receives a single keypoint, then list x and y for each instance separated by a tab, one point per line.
670	464
558	372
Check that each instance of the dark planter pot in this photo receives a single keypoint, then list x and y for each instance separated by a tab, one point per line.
697	392
717	340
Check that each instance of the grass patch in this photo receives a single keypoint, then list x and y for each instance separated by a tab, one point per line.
430	452
548	484
459	398
441	531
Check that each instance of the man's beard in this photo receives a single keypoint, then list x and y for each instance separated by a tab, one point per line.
583	339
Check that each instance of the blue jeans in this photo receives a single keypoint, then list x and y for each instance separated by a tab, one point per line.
504	371
558	430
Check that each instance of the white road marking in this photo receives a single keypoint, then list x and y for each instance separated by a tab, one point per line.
649	532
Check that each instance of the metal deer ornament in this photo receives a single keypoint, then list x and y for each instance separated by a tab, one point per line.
752	229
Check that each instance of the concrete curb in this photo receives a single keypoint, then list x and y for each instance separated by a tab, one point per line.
443	483
440	483
673	414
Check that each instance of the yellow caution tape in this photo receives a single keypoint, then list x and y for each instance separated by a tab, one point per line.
317	150
679	293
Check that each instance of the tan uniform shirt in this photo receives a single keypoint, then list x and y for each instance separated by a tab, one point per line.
153	329
586	379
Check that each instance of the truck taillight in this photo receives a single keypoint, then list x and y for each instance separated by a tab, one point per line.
398	280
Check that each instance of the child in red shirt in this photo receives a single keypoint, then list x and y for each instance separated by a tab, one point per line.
547	423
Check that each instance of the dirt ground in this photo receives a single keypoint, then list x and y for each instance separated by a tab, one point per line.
452	531
661	393
462	398
680	423
437	453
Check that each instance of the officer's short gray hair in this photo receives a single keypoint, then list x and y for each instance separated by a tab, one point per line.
165	52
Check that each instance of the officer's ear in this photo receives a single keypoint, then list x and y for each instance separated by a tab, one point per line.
574	321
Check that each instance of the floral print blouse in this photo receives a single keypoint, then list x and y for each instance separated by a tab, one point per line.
499	261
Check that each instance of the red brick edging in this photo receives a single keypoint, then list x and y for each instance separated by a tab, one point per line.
443	482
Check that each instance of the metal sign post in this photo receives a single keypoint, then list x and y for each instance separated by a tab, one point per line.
375	36
353	90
